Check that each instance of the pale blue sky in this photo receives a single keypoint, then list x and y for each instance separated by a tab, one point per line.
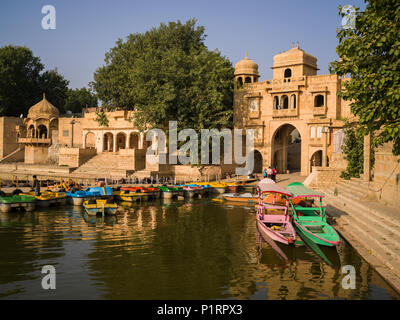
87	29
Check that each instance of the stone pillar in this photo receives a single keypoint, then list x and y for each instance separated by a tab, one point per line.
127	141
115	143
84	140
367	157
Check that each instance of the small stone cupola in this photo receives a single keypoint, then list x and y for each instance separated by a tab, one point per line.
246	71
294	62
41	121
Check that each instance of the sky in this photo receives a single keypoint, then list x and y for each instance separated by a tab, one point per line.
87	29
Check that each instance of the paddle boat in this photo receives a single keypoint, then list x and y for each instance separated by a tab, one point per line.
47	198
310	217
273	219
171	192
131	196
151	192
100	206
191	190
240	197
204	185
78	197
16	201
219	187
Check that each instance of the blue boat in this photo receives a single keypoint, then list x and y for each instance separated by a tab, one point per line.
77	198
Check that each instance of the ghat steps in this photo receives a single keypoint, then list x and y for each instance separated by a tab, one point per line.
102	165
374	227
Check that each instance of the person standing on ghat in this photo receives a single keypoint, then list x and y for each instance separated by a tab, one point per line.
36	186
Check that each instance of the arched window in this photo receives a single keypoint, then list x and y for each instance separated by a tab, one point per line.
276	103
42	132
285	102
288	73
312	132
293	101
31	131
247	80
319	101
239	83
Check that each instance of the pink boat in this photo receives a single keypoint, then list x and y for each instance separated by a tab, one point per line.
273	220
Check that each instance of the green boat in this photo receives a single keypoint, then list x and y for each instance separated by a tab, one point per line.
171	192
21	202
309	217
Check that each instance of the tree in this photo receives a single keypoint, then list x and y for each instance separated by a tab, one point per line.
370	53
167	74
78	99
22	81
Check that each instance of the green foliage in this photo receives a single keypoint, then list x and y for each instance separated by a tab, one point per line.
370	53
168	74
354	151
101	119
22	82
78	99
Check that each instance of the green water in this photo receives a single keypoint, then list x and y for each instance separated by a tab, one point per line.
178	250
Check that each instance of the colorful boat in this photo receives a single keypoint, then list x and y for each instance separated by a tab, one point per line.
309	217
219	187
47	198
77	198
152	192
240	197
16	201
131	196
273	220
100	206
171	192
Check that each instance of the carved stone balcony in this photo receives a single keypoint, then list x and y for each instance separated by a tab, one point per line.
284	113
35	141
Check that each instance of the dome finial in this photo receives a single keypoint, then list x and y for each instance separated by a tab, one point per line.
246	55
44	95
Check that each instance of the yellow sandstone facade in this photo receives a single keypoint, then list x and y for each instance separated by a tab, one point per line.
295	114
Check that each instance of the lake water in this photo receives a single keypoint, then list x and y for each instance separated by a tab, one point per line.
198	249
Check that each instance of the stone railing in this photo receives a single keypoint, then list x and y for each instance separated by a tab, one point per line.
34	140
282	113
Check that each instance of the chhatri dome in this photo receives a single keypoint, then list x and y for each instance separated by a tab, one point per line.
43	109
246	67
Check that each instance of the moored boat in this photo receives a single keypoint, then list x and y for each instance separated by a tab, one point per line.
240	197
171	192
310	216
152	192
273	219
100	206
131	196
47	198
19	202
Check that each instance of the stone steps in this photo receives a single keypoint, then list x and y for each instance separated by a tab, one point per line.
350	201
102	165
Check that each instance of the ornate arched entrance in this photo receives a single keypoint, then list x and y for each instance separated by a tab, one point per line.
90	140
121	141
286	149
108	143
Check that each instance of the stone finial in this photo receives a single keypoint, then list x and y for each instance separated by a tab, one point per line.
44	96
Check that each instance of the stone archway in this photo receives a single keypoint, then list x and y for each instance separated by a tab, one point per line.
286	149
42	131
121	141
90	140
108	142
316	159
258	161
134	141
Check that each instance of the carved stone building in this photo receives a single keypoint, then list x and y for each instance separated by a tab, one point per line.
295	114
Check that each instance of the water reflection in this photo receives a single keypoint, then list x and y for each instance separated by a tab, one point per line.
195	249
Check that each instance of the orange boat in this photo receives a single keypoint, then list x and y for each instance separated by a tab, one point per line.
241	197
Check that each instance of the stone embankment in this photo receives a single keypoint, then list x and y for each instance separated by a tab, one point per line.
370	226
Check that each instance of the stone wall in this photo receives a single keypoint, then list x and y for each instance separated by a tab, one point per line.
36	155
74	157
386	174
322	177
132	159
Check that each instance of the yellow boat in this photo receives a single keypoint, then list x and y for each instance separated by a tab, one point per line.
219	187
100	206
129	196
48	198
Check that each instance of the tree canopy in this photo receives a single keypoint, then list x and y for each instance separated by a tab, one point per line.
78	99
167	74
22	82
370	53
